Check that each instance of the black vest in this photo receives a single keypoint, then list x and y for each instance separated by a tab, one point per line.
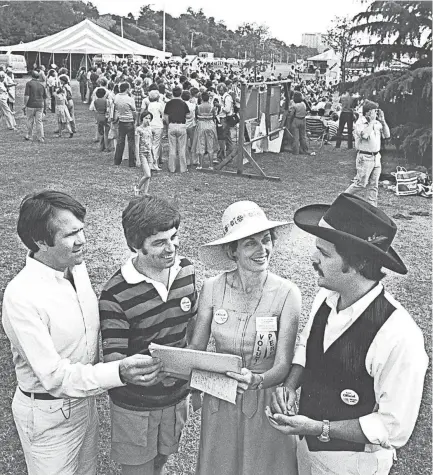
341	367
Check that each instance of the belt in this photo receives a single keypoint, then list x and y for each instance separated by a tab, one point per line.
43	396
367	153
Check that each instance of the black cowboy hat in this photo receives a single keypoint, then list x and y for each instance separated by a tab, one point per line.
355	224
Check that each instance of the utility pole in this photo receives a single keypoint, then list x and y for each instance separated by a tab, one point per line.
121	26
192	38
163	27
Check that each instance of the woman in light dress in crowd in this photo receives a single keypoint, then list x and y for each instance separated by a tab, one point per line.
62	112
253	313
205	138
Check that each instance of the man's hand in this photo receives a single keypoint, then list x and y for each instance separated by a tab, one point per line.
380	115
284	401
141	370
294	425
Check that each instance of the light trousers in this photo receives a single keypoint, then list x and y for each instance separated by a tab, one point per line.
342	463
177	147
34	122
368	170
58	436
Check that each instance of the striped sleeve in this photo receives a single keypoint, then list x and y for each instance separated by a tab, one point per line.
114	325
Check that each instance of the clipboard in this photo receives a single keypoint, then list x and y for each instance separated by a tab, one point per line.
181	361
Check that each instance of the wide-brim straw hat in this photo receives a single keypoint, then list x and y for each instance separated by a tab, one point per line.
239	220
356	225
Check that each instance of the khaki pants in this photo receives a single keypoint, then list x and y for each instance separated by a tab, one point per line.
177	147
58	436
34	122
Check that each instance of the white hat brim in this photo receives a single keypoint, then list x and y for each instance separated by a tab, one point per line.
214	255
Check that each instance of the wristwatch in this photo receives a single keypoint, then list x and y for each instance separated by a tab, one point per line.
324	436
260	384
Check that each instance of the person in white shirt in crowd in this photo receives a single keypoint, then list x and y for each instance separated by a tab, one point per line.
369	129
227	110
156	108
360	360
50	315
6	115
11	86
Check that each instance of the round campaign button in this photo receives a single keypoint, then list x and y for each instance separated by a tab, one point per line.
349	397
221	316
185	304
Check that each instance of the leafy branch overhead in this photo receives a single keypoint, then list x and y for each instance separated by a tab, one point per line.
399	29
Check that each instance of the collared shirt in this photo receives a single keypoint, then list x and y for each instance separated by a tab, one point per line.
36	93
370	142
54	333
132	276
125	106
396	360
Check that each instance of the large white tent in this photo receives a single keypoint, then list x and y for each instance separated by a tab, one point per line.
86	38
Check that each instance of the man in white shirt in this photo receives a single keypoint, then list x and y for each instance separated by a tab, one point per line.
360	361
50	315
369	129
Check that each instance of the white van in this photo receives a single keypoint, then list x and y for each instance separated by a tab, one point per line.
17	62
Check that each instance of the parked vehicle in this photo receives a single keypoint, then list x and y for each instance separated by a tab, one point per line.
17	62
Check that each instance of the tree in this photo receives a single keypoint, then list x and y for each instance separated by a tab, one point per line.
252	36
402	29
342	40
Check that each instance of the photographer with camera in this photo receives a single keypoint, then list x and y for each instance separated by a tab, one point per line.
369	129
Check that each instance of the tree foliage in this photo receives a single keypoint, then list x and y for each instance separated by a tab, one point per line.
402	29
191	33
406	99
342	40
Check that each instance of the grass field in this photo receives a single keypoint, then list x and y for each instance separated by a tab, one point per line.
76	167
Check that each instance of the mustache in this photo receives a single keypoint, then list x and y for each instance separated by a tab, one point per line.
317	269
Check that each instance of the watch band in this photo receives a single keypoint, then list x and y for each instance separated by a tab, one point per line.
326	427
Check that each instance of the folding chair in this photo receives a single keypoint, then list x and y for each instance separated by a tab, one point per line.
316	130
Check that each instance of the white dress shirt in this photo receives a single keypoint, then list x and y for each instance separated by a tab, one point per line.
54	333
396	360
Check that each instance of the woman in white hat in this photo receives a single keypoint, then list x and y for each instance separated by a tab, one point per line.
252	313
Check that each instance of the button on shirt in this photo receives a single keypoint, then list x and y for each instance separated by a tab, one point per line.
125	106
54	333
396	360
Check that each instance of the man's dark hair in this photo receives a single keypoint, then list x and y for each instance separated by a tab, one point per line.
368	267
177	91
204	96
186	96
145	216
37	211
100	92
124	87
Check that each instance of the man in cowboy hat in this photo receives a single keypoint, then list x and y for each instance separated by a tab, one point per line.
360	360
369	129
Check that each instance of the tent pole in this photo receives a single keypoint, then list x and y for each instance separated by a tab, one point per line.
70	66
54	58
85	56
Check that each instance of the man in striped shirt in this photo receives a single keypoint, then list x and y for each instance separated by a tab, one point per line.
152	297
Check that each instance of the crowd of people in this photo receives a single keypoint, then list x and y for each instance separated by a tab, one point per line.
196	109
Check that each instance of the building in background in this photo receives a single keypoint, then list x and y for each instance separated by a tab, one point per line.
313	40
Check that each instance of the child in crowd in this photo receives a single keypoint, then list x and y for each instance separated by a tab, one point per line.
144	151
101	113
62	112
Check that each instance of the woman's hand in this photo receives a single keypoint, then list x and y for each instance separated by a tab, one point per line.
246	379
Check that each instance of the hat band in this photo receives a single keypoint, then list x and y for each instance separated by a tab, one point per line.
240	218
376	240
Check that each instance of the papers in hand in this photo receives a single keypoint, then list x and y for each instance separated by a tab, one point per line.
215	384
182	361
